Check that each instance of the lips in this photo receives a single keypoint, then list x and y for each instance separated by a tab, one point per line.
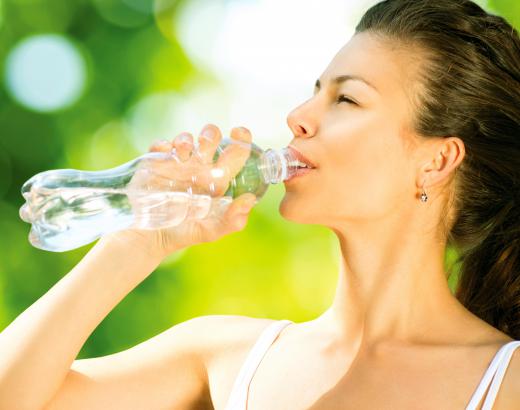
301	157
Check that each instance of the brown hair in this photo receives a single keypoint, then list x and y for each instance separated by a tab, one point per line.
470	88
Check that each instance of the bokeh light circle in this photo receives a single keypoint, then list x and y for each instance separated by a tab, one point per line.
166	114
45	72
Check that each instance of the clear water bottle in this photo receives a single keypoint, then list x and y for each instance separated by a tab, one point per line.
70	208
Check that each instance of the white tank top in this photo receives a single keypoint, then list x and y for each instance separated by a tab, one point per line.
238	398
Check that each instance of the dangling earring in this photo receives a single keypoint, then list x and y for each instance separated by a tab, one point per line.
424	197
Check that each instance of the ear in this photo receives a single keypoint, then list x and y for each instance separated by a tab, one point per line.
441	160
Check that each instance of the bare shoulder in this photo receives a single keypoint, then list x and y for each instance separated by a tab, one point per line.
508	397
220	334
226	341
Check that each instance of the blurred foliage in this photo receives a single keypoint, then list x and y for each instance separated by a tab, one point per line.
273	268
509	9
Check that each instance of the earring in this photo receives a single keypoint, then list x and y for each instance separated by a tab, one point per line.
424	197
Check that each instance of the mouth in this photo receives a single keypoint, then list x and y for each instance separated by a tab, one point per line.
300	172
303	161
300	166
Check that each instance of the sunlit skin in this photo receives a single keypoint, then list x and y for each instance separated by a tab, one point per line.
392	285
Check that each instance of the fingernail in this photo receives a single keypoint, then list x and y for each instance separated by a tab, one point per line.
184	138
208	132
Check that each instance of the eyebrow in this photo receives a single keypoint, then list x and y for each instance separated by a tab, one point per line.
342	78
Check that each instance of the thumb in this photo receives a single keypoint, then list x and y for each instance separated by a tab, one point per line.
239	208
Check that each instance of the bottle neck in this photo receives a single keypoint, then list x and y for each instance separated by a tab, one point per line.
278	165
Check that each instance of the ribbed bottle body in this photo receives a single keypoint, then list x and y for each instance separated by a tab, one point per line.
70	208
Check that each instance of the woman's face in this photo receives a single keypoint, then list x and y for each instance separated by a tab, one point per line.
363	169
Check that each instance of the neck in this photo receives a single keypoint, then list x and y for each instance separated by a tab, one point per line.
393	290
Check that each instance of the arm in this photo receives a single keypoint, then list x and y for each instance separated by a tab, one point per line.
39	346
166	371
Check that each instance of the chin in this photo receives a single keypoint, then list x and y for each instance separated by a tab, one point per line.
293	211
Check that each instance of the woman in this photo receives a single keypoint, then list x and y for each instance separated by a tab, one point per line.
414	131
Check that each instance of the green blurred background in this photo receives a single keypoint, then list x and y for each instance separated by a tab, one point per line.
89	84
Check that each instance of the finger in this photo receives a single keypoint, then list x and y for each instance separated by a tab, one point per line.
161	146
183	144
166	147
209	140
235	155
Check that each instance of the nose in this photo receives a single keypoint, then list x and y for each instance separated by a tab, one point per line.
301	123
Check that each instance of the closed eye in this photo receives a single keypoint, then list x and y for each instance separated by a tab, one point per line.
344	98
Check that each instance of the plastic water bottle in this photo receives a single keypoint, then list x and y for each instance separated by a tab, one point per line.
70	208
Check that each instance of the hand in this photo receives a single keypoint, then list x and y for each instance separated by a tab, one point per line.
192	168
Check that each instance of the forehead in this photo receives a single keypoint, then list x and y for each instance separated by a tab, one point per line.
375	61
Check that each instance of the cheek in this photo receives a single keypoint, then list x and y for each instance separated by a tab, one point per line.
365	176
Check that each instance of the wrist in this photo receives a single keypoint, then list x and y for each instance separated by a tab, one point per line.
117	266
134	244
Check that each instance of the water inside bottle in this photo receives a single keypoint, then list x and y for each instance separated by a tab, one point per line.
65	218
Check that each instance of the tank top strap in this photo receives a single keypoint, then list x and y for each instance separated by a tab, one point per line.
494	376
238	397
